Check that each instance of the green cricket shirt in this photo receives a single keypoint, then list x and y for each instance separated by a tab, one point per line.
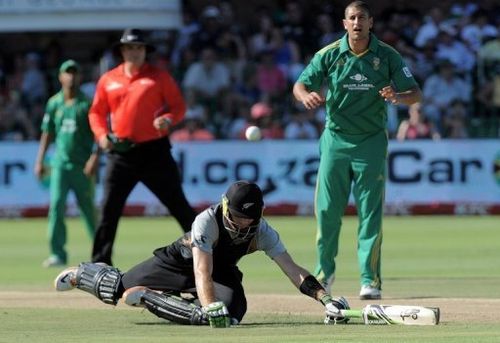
69	124
353	104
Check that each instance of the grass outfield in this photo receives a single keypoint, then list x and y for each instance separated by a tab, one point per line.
450	262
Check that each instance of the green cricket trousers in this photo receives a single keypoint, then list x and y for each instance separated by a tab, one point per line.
358	161
61	182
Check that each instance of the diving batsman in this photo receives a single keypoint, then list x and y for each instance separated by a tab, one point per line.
195	280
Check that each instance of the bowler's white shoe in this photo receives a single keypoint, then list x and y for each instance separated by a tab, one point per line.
133	296
53	261
66	280
327	283
369	293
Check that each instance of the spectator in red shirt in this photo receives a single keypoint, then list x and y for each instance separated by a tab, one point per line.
141	103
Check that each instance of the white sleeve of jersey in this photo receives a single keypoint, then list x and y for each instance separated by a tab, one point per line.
204	231
268	240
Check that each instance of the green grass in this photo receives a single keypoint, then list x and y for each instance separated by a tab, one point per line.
423	257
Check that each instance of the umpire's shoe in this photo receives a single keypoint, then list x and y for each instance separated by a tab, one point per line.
66	280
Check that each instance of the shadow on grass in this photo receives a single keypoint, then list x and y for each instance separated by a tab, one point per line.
250	325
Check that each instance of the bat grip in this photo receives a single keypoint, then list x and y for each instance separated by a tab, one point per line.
352	313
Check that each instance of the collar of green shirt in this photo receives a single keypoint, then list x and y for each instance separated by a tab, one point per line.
373	46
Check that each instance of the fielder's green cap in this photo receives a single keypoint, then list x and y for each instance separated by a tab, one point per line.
67	65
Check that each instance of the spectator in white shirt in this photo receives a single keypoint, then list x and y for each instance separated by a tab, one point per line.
441	88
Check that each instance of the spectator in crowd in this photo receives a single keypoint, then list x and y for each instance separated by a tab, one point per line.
425	62
451	49
74	163
295	26
210	80
193	127
210	31
489	59
143	103
34	84
325	31
234	128
233	54
300	125
185	35
441	88
477	31
353	146
286	55
417	126
433	23
15	124
270	78
488	95
262	40
454	123
262	116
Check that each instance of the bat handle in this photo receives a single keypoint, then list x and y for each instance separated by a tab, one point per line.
352	313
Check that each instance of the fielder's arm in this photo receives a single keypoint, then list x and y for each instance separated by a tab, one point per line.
45	140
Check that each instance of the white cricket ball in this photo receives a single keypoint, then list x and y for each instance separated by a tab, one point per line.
253	133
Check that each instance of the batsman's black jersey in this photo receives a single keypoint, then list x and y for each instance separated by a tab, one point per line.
171	267
208	234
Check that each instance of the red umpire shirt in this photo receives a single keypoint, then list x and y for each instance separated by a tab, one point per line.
134	102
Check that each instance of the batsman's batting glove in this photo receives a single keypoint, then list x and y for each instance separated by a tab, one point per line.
218	315
332	309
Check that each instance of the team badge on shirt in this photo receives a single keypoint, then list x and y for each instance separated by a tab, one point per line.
407	72
376	63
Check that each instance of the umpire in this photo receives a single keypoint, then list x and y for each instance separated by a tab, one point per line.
140	103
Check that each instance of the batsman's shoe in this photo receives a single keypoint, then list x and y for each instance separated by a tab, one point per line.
133	296
369	293
66	280
53	261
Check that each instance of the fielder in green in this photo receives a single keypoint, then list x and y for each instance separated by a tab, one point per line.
361	75
74	162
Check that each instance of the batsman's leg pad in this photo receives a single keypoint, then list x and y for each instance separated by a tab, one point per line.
174	308
100	280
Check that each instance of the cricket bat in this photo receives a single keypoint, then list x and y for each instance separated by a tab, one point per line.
395	315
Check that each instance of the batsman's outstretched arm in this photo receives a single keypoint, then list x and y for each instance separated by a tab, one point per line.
309	286
299	276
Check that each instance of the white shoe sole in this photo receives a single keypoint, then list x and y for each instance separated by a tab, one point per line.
133	296
370	297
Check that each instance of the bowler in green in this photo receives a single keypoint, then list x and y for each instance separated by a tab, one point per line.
361	75
74	162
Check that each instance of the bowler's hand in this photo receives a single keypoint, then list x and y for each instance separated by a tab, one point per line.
161	123
312	100
389	94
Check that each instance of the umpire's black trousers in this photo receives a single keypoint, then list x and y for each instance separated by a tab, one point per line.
152	164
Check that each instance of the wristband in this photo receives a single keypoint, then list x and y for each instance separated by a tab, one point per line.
310	286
